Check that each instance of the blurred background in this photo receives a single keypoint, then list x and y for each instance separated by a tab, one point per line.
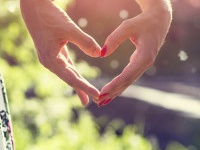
161	111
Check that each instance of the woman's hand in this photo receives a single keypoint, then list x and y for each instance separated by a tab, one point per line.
147	32
51	29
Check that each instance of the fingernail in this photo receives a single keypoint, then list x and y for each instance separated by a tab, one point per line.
100	96
107	101
63	43
103	51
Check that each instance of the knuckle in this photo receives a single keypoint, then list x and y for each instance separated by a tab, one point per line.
126	24
52	62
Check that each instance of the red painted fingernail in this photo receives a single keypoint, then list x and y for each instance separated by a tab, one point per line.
103	51
107	101
100	96
63	43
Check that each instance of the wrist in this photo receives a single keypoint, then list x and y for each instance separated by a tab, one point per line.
157	5
159	9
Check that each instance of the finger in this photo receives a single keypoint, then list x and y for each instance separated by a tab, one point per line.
74	34
112	91
117	37
138	64
83	97
92	91
67	72
85	42
77	82
82	84
64	51
81	94
115	87
59	27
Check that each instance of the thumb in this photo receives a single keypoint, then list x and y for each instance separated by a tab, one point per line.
118	36
86	43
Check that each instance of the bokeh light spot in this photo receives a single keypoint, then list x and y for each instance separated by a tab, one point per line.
11	6
151	71
196	22
82	22
193	70
123	14
182	55
114	64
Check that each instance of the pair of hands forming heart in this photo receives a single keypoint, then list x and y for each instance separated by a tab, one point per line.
51	29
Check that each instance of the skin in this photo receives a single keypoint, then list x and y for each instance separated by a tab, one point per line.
147	32
51	29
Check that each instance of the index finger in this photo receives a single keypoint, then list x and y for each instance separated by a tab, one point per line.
139	62
62	66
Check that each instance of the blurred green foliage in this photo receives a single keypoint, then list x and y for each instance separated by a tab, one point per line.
41	108
44	114
175	146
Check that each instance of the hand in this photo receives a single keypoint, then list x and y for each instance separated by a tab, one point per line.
51	29
147	31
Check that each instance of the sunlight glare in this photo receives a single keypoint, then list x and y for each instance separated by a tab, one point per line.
11	6
185	104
